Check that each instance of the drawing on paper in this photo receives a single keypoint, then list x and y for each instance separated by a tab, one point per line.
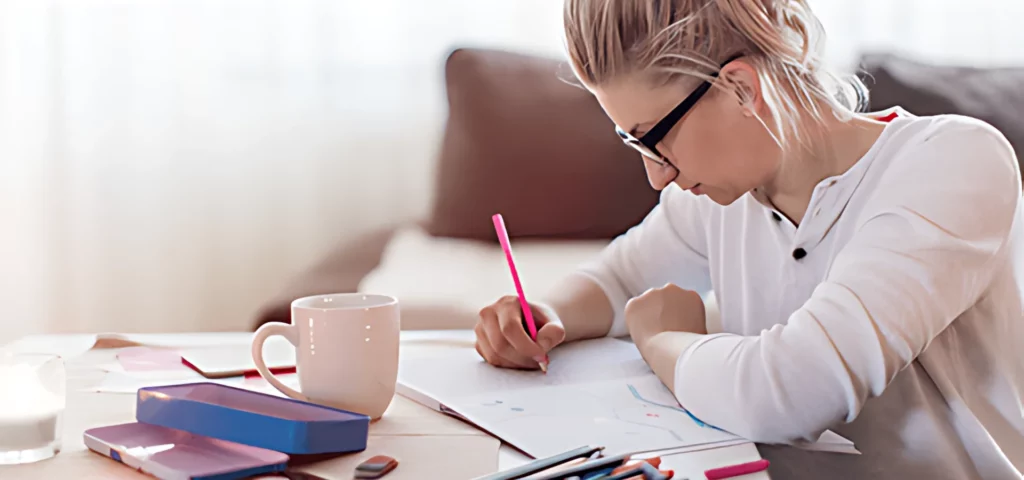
600	392
626	415
498	403
637	395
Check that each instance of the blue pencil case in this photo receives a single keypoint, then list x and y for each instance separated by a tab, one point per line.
252	418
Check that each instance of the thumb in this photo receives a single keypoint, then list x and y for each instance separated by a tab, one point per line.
550	335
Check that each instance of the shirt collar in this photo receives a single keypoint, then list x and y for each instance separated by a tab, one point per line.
832	194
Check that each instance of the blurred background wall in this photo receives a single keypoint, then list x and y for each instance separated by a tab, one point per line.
167	165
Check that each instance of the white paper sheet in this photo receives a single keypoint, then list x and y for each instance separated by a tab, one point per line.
190	340
232	360
597	392
231	346
623	415
130	382
73	345
461	372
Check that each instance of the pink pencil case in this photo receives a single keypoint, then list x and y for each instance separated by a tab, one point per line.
171	454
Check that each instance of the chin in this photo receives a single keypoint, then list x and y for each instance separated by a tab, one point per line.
722	198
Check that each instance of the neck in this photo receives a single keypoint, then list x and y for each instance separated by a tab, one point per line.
834	150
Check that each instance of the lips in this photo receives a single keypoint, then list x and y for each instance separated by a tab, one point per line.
695	189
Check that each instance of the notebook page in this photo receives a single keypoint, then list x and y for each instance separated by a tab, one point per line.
461	372
597	392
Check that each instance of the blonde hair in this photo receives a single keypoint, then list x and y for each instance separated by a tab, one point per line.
667	39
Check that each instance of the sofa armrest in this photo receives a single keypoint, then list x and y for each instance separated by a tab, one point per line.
340	271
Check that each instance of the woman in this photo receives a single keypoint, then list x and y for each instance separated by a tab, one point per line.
867	266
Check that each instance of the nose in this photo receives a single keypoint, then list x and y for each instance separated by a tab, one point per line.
659	176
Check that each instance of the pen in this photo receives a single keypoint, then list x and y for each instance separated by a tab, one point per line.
736	470
543	464
528	323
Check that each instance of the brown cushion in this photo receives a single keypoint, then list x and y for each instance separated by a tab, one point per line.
521	141
995	95
340	271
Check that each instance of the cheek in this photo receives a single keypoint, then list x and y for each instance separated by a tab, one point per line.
726	149
704	147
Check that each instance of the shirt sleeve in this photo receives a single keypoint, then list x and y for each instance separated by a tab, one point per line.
928	243
668	246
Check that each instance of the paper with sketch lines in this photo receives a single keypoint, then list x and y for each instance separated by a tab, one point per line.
597	392
551	420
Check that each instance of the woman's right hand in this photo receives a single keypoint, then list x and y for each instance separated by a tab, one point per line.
503	341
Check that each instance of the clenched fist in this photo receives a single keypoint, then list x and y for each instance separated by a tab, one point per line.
666	309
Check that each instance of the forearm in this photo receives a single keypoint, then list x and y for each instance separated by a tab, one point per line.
582	307
662	350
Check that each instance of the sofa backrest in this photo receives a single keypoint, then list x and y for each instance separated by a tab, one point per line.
995	95
521	140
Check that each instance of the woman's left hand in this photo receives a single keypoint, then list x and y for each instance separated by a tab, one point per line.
666	309
663	323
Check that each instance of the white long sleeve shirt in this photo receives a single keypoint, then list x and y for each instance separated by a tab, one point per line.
893	314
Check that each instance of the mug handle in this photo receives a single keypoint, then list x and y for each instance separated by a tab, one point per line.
265	331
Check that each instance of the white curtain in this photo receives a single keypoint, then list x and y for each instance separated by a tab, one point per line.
165	165
168	164
979	32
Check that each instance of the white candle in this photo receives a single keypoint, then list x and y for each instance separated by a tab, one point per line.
29	412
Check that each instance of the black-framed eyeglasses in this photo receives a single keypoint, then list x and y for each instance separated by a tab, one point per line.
647	143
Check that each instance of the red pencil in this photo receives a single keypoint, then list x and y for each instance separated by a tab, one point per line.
736	470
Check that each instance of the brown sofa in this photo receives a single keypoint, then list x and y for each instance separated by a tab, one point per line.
520	139
995	95
523	140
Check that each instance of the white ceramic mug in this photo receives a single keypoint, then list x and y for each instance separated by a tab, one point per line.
346	351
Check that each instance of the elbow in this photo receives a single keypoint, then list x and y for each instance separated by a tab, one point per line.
775	394
797	407
779	430
765	419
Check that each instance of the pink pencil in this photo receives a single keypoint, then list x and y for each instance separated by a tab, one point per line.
736	470
531	326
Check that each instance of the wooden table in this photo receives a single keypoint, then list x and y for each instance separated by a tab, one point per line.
421	439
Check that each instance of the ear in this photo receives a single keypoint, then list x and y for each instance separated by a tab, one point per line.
742	80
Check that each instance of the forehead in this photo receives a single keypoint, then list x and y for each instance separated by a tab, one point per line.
631	101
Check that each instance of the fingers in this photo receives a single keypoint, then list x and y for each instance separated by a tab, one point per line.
504	349
494	347
549	336
483	347
503	340
510	321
